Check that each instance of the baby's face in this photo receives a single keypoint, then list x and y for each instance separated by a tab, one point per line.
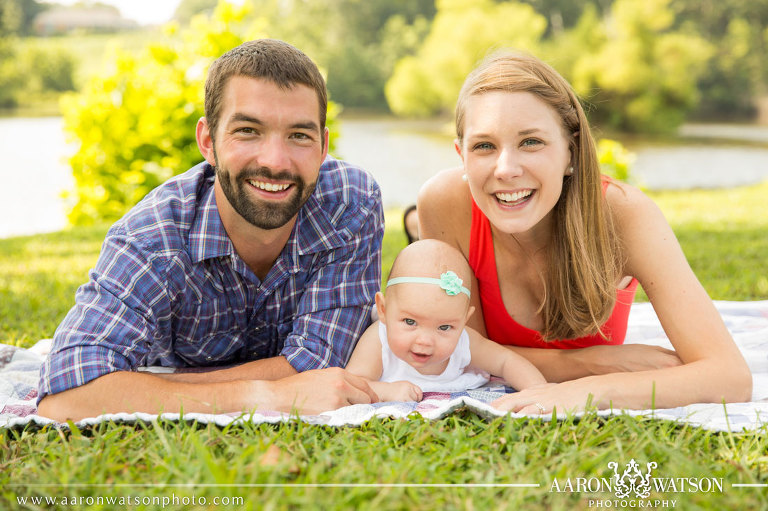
424	324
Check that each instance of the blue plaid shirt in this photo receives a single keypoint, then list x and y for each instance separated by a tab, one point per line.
170	290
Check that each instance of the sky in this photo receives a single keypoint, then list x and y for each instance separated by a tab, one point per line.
143	11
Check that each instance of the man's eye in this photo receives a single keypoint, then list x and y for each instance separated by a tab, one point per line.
483	146
409	321
444	328
301	136
246	131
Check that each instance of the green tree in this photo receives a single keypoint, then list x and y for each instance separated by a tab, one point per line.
738	73
643	76
135	122
462	33
187	9
565	14
357	42
11	81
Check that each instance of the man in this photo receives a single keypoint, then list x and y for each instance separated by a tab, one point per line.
265	258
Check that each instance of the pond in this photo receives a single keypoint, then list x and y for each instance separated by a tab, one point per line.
401	155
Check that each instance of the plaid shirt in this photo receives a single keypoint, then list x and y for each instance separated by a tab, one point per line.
170	290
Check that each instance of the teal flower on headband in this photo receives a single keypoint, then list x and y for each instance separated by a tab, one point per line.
451	283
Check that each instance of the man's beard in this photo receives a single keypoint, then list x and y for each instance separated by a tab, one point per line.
263	214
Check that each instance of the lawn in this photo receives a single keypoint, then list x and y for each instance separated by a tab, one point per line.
724	233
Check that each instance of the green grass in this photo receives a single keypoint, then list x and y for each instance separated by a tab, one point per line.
723	233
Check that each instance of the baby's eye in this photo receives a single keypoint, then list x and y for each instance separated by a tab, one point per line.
409	321
444	328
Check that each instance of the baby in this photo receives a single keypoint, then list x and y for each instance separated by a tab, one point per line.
420	343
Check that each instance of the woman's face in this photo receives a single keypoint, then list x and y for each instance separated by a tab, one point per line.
516	155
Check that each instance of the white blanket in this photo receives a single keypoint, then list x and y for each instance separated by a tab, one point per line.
747	321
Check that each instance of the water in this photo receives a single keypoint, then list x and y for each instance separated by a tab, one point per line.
34	174
401	155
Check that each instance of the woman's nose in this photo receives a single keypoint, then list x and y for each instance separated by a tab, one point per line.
507	165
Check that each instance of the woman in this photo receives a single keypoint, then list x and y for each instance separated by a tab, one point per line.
557	252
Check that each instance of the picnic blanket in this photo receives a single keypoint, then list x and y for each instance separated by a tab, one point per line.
747	321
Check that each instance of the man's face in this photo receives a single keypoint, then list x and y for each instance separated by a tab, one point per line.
268	149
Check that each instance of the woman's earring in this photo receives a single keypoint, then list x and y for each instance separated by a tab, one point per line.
569	172
465	179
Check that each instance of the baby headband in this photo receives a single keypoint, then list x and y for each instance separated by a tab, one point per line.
448	281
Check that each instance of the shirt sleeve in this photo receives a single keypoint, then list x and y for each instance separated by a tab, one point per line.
336	306
114	317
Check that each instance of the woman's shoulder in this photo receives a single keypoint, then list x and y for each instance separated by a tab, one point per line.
446	190
628	204
445	206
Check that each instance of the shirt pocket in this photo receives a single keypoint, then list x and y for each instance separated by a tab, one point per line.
207	333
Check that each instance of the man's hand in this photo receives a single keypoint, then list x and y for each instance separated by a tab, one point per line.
313	392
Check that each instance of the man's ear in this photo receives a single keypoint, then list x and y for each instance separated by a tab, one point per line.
381	305
326	141
205	141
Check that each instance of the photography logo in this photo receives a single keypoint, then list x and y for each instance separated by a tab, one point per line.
632	482
632	485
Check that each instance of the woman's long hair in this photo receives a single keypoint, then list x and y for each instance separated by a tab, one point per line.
583	256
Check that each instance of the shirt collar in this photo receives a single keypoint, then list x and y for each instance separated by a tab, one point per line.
208	238
314	230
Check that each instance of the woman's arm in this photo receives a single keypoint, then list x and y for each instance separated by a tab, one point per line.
445	213
712	369
493	358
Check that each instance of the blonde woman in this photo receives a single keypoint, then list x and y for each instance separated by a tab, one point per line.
557	251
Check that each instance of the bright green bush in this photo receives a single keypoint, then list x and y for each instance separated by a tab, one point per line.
615	160
135	123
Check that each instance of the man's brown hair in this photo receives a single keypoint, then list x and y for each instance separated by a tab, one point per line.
269	59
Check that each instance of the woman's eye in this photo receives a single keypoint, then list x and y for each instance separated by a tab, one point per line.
482	146
409	321
530	142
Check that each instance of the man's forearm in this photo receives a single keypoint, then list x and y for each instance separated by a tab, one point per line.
266	369
125	391
309	392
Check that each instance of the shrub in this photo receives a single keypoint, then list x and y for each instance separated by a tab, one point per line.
135	123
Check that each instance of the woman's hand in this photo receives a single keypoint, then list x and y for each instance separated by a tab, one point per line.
568	397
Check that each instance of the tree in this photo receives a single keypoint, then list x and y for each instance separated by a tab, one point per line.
643	76
135	122
11	17
189	8
738	73
357	42
462	33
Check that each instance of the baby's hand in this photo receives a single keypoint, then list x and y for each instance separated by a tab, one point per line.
401	391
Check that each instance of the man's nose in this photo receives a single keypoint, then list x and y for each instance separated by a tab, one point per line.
273	153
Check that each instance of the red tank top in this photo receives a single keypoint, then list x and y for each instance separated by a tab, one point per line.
499	324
